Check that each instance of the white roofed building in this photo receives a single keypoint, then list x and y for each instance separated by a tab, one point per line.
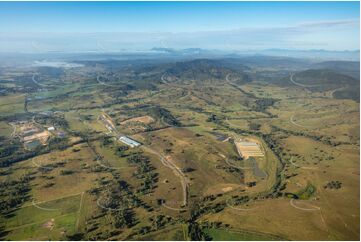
129	141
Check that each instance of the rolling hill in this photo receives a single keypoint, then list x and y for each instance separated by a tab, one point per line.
345	87
350	68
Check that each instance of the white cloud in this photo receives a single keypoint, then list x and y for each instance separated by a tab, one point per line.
333	34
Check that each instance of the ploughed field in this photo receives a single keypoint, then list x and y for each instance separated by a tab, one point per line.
221	151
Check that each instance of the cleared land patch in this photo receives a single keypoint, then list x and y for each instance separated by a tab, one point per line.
144	119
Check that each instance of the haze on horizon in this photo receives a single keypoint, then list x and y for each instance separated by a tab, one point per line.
132	26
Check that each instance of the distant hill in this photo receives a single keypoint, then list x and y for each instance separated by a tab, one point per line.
348	93
201	70
50	71
197	69
351	68
315	54
261	61
323	77
346	87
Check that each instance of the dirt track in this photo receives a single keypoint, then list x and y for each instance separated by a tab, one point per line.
175	170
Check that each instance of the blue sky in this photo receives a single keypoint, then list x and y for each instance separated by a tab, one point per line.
221	25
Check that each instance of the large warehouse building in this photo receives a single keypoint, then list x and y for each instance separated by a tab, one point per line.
129	141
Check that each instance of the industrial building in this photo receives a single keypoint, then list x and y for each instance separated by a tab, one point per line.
129	141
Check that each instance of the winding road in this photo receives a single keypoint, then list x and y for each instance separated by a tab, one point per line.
175	209
227	78
45	209
103	83
302	167
111	167
300	84
162	79
312	207
337	89
294	123
176	171
234	166
36	82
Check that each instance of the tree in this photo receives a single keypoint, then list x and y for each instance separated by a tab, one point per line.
254	126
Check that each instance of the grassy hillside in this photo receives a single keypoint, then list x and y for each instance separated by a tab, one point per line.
318	80
350	68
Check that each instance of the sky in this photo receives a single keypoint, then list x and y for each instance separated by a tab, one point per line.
115	26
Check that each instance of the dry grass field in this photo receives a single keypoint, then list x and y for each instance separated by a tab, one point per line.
187	178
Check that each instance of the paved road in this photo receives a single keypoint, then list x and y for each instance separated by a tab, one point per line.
227	78
36	82
337	89
103	83
300	84
162	78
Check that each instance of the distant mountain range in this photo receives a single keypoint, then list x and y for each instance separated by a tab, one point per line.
316	54
353	55
278	58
